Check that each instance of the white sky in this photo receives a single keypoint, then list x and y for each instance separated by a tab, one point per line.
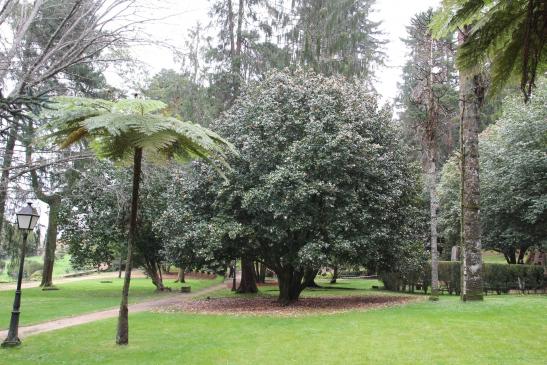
180	15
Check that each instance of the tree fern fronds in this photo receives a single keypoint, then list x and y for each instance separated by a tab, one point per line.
138	106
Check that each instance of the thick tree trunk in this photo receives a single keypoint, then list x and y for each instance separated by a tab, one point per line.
290	285
122	335
522	252
262	273
239	42
510	255
309	278
51	243
54	202
120	268
153	271
6	164
471	94
181	276
248	277
334	275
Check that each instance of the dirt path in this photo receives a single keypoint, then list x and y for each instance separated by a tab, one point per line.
171	299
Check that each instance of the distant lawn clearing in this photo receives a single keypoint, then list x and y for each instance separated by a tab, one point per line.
501	330
82	297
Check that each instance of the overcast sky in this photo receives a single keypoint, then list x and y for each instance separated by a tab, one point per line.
180	15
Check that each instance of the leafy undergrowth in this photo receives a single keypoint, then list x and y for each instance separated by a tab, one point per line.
264	305
346	294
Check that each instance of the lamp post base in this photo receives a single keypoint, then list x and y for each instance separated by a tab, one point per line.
11	342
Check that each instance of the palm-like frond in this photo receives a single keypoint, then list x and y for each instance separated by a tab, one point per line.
509	36
118	128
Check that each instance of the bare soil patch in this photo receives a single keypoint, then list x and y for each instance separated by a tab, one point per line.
304	306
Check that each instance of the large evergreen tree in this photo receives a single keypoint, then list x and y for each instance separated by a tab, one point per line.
428	97
321	175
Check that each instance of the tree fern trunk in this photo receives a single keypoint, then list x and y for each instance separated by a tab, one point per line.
122	336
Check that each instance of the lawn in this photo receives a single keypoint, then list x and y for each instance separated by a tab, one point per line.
493	257
501	330
62	267
81	297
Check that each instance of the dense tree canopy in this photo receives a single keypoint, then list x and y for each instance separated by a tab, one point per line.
320	174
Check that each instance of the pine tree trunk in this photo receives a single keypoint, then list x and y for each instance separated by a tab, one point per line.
236	57
153	271
471	94
430	139
6	164
122	335
248	277
434	206
51	243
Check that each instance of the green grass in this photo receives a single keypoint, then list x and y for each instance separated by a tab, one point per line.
81	297
493	257
61	268
500	330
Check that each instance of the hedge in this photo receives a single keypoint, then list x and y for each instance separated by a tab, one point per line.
499	278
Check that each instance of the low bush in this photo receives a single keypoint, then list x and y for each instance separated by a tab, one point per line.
29	268
499	278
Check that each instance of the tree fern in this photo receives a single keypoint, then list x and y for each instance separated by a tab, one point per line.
120	129
507	36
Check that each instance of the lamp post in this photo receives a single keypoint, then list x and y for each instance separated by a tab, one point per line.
27	218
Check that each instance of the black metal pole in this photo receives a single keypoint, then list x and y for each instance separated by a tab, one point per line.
13	337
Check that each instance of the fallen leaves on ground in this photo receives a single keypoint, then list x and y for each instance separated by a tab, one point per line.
269	306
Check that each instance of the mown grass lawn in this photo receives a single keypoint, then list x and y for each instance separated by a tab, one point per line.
501	330
81	297
62	267
493	257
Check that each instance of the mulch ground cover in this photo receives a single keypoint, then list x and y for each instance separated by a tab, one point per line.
304	306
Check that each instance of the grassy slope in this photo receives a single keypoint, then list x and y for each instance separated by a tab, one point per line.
61	267
493	257
80	297
501	330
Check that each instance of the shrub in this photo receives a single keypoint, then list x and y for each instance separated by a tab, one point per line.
29	268
502	277
496	277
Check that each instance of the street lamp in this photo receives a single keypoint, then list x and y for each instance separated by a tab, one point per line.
27	218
